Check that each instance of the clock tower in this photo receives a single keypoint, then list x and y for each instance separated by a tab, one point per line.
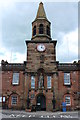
41	81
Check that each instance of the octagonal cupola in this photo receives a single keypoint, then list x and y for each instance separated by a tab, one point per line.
41	25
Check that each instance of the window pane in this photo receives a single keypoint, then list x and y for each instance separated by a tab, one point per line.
48	81
14	100
4	99
32	82
67	78
67	100
0	99
15	78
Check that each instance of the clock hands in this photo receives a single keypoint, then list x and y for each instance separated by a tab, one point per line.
41	47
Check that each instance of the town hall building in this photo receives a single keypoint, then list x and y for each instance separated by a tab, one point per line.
41	82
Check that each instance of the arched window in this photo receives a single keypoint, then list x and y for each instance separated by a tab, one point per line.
14	99
48	30
41	29
34	30
67	100
32	82
48	81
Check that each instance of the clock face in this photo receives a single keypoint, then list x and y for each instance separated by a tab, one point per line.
41	47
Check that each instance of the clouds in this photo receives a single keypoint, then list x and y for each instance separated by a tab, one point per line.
11	56
16	28
64	17
79	30
68	50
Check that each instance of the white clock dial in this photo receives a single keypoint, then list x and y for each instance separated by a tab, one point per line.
41	47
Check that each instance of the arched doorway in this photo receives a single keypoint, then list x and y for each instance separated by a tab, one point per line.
41	102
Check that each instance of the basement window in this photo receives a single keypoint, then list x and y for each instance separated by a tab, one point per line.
66	78
15	80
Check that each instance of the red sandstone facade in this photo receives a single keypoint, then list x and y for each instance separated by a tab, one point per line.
40	82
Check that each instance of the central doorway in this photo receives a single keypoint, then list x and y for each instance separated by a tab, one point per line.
41	102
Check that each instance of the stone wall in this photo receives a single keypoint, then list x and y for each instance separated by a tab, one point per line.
8	89
37	60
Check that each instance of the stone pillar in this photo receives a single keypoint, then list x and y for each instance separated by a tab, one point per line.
49	97
27	83
55	86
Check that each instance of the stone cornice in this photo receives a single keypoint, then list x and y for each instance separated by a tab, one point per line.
38	41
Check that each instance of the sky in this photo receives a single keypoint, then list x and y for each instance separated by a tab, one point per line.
15	28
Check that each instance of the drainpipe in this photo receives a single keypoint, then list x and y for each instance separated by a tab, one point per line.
54	101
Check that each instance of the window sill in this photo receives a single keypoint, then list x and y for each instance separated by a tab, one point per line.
67	84
13	105
15	84
49	88
68	105
32	88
